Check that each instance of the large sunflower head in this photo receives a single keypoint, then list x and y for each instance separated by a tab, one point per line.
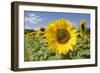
61	36
82	27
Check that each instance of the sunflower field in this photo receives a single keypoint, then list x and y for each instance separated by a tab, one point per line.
60	40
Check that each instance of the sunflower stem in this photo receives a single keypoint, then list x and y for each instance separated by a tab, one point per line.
58	56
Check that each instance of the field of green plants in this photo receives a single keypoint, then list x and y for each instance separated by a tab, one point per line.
36	49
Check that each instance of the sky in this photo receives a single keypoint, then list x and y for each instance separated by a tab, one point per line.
37	19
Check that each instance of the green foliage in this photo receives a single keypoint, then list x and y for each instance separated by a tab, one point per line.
82	49
36	49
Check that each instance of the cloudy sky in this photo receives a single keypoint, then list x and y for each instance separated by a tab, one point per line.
37	19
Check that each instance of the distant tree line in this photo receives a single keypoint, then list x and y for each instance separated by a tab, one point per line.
29	31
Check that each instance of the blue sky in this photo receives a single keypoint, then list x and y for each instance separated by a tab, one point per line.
37	19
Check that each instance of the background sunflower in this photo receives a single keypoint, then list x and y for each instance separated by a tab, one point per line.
82	27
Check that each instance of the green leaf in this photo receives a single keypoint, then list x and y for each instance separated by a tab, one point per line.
86	52
52	58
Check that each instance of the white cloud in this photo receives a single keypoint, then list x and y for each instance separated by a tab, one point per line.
33	15
38	28
27	27
32	18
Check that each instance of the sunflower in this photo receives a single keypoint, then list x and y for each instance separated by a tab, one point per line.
42	29
33	34
61	36
82	27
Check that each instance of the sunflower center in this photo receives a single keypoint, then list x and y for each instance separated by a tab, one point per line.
62	36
